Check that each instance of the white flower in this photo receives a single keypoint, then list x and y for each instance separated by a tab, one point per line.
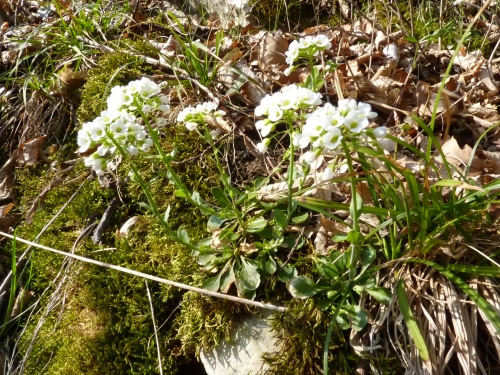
219	113
327	174
119	127
310	157
386	144
163	99
84	141
190	125
146	108
102	150
322	42
109	116
356	123
275	113
206	107
97	129
160	121
345	106
332	138
293	52
164	108
117	99
262	146
96	163
147	88
185	113
146	145
380	132
132	150
215	133
289	70
140	134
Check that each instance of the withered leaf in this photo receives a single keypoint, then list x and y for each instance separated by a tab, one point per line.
31	151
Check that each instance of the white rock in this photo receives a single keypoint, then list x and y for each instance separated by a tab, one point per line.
252	338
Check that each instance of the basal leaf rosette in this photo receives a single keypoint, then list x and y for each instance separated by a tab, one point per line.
121	123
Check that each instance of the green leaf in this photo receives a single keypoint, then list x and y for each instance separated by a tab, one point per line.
286	273
324	305
410	321
302	287
492	271
256	225
299	219
280	218
221	197
146	206
183	235
243	290
411	39
249	275
271	266
214	223
359	205
368	255
357	317
355	237
212	284
227	279
181	194
381	294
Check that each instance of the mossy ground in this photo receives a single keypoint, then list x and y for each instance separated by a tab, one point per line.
100	321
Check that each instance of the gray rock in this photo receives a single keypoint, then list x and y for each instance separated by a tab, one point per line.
252	338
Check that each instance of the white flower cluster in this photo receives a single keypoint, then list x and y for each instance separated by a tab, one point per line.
191	117
307	47
120	122
327	126
283	104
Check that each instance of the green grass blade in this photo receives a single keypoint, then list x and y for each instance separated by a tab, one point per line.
491	271
485	307
411	322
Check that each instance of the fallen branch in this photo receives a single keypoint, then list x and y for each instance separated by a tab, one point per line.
150	277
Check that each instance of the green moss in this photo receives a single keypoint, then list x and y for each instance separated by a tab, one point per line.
113	69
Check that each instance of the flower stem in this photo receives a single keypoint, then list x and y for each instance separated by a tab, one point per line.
151	202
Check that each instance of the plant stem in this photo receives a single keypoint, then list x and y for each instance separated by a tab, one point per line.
151	202
354	211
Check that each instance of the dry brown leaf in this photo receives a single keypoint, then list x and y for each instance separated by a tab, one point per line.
4	210
218	123
72	80
334	227
277	191
272	50
321	240
31	151
366	90
9	222
363	190
491	161
7	189
21	302
460	157
248	248
487	112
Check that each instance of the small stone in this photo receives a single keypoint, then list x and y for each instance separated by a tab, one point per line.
252	338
